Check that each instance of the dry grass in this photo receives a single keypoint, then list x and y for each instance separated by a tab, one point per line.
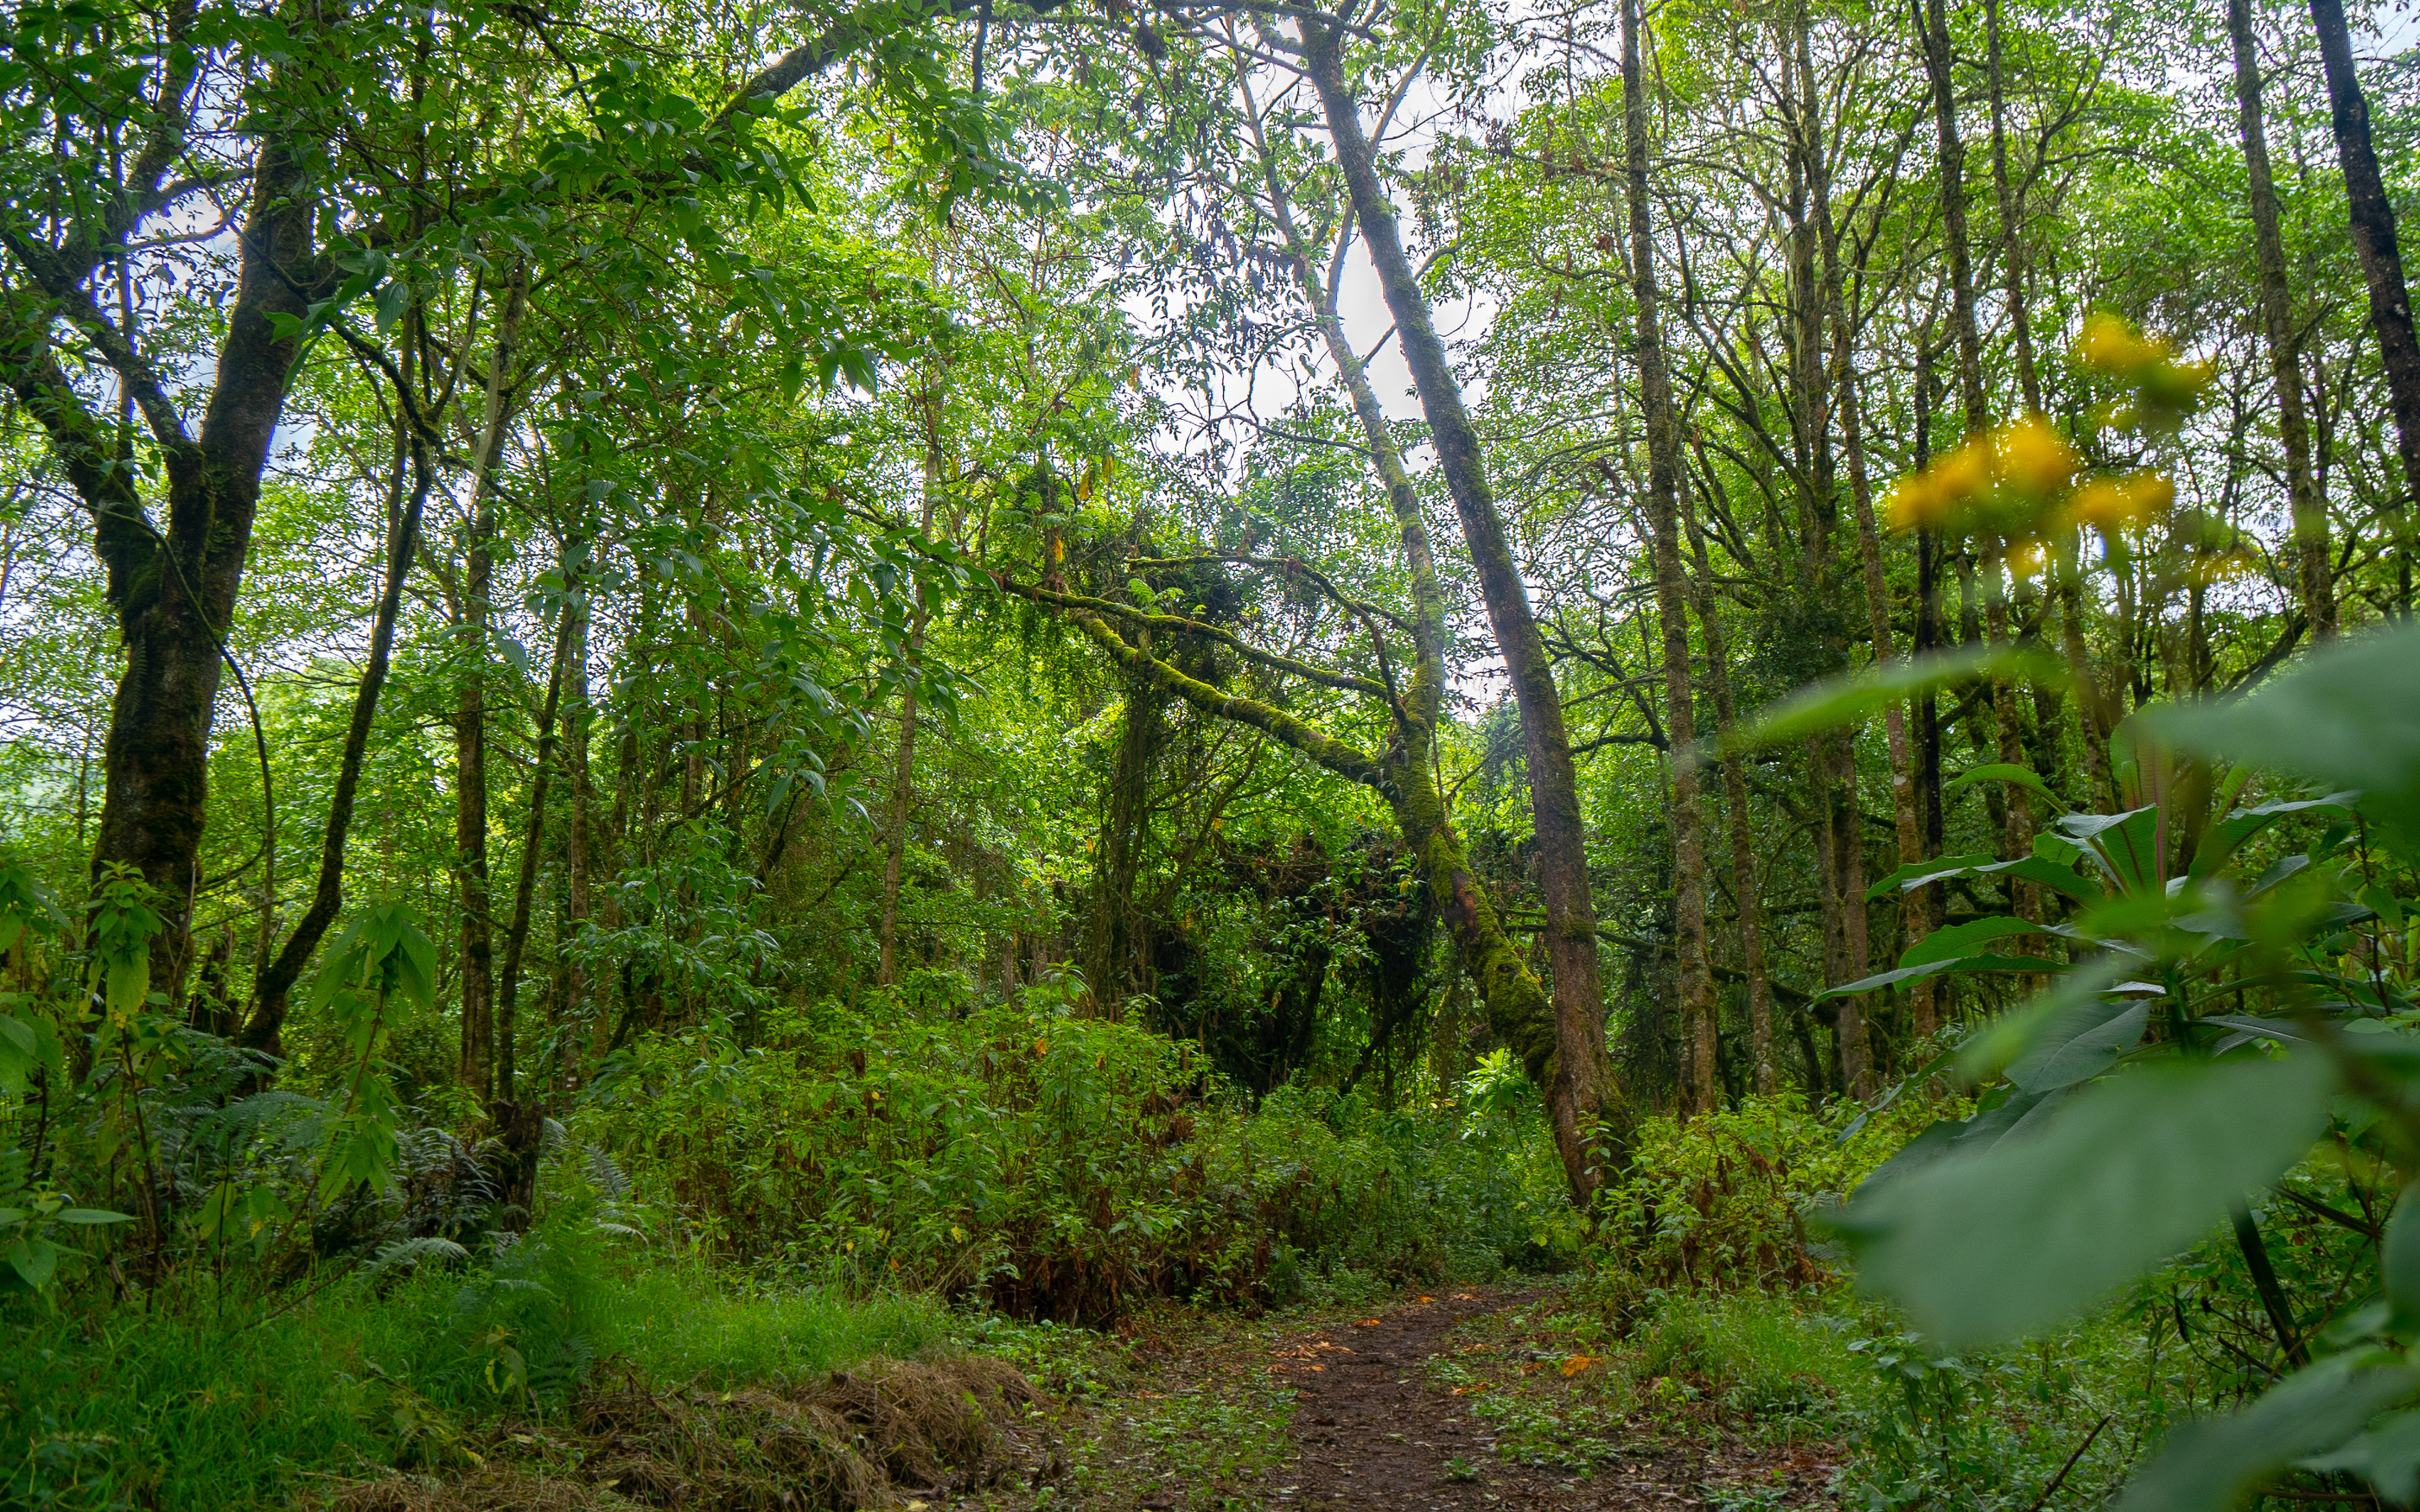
852	1440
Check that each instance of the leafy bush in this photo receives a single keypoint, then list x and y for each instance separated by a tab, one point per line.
186	1408
1721	1201
1051	1165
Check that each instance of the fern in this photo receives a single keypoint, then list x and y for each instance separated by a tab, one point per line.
413	1250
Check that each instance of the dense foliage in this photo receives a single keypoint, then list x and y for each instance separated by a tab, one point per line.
739	665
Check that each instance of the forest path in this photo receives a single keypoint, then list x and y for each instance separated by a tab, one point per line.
1375	1431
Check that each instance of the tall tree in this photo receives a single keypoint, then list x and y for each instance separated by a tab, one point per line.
1583	1074
2278	322
1693	973
2382	258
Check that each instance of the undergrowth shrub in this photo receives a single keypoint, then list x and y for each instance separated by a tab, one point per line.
1052	1166
1721	1201
196	1401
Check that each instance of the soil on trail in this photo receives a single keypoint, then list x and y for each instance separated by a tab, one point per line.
1373	1429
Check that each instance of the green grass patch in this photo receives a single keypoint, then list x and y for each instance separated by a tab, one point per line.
173	1408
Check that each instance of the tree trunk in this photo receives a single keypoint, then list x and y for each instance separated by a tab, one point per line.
1907	820
1746	873
2310	517
273	981
576	839
1694	974
533	838
1933	28
1583	1076
2013	244
1117	861
903	777
2373	237
1927	1009
173	589
477	1069
894	840
1586	1139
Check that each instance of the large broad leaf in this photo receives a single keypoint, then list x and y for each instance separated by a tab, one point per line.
2398	1262
1917	874
2125	845
2037	869
2002	1113
2347	715
1955	940
17	1060
2050	1219
2051	875
1934	968
2009	772
2210	1464
1841	700
2228	835
2081	1044
2074	1004
2388	1457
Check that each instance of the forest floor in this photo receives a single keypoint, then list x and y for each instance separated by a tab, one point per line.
1459	1400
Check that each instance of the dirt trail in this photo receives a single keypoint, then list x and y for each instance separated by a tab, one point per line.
1373	1430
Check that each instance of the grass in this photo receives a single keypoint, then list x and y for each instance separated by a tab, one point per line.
1172	1411
170	1408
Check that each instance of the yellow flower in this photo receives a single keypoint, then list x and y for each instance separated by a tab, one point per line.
2035	458
2111	503
1916	502
2109	345
1961	474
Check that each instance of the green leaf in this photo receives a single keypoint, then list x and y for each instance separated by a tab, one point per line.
2081	1044
2000	1114
2023	777
2042	1223
1841	701
2229	834
1917	874
2347	715
2398	1260
126	980
2388	1457
17	1053
1955	940
2072	1005
91	1215
2125	845
2049	873
2210	1464
1882	979
35	1259
1961	963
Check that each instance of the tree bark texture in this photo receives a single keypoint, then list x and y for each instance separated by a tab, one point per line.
1746	876
2012	208
173	589
532	839
2373	235
1933	28
477	1071
1693	976
1583	1070
2312	575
